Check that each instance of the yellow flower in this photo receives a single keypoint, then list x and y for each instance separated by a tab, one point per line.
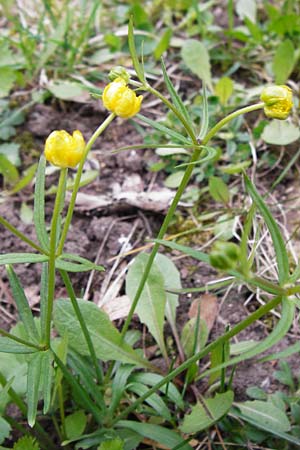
120	99
278	101
64	150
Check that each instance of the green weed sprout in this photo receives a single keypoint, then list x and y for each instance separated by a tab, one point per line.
93	403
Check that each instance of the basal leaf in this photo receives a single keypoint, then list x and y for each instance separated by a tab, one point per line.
284	61
199	419
162	435
152	302
196	58
265	413
105	337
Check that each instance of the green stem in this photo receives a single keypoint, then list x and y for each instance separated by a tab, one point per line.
186	177
37	429
221	340
88	147
19	340
21	236
52	256
71	293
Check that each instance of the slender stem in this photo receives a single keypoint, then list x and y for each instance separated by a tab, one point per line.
186	177
52	256
19	340
71	293
221	340
61	410
21	236
88	147
228	119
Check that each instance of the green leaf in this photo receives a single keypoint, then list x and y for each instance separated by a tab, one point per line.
33	385
265	413
112	444
224	89
175	97
154	400
165	130
290	350
277	239
75	424
208	154
22	305
26	213
280	132
284	61
65	90
188	333
8	345
105	337
11	151
171	277
156	433
39	205
47	376
196	58
199	419
174	180
262	426
205	115
119	385
7	79
5	429
8	170
233	169
135	61
218	190
151	379
246	8
83	264
26	443
21	258
163	44
152	302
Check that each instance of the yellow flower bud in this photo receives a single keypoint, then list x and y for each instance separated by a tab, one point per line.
120	99
278	101
64	150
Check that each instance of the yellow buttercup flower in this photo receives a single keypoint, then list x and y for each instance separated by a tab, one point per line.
278	101
120	99
64	150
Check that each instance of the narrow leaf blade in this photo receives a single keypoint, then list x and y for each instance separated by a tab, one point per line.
39	205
